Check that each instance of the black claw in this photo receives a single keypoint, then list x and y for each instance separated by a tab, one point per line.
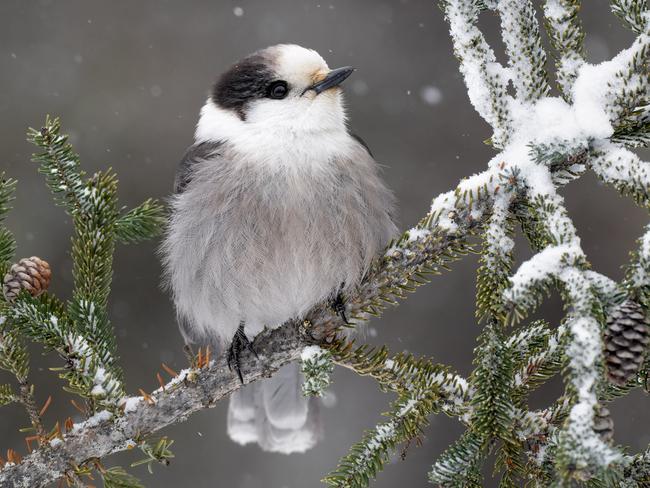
239	342
338	304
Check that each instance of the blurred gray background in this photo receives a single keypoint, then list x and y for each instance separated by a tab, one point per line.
128	79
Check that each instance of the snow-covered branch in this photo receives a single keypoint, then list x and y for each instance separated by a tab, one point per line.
485	78
521	36
565	30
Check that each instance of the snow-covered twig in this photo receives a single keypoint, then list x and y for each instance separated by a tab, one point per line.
639	271
485	78
624	170
520	31
567	37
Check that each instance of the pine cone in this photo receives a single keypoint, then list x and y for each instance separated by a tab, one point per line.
31	274
626	339
603	424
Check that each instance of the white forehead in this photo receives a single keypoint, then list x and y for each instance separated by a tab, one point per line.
293	62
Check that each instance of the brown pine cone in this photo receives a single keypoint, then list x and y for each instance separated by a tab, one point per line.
31	274
603	424
626	339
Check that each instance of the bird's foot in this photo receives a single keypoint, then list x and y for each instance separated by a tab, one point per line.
338	305
239	343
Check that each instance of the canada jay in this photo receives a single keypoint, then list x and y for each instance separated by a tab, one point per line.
277	207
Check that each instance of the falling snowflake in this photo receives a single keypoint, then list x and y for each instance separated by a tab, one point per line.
431	95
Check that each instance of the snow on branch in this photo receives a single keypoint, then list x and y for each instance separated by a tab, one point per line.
564	261
541	361
422	387
88	371
632	12
521	36
485	78
567	37
623	169
638	272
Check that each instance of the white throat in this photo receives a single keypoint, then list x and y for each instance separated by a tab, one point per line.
311	138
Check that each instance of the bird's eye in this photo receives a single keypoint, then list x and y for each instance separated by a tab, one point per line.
278	90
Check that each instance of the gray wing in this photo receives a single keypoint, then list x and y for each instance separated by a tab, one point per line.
195	153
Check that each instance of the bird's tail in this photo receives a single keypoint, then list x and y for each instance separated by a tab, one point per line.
275	414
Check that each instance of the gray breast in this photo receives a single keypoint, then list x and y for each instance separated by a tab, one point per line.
251	243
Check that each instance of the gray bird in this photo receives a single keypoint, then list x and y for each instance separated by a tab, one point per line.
277	208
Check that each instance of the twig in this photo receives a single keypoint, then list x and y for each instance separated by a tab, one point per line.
27	399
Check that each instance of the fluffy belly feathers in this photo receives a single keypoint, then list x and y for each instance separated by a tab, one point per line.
263	259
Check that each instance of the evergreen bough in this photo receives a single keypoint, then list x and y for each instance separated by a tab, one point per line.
543	142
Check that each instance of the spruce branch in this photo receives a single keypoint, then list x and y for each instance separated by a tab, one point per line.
423	388
567	38
540	363
7	189
368	457
485	78
528	340
13	353
624	170
116	477
628	108
493	406
7	241
637	277
637	470
564	260
44	320
402	373
636	132
7	251
14	358
60	165
632	13
316	365
492	276
141	223
159	452
520	32
7	395
533	280
83	334
26	398
459	465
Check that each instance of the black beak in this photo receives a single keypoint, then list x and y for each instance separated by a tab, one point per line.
333	78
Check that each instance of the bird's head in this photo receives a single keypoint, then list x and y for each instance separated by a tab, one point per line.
283	86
